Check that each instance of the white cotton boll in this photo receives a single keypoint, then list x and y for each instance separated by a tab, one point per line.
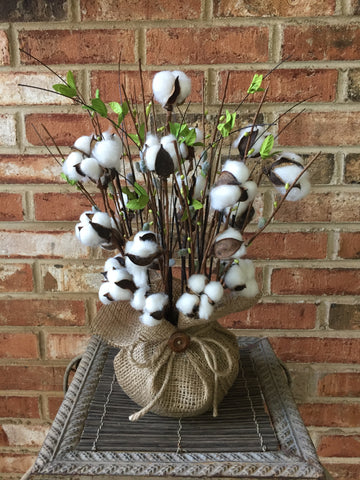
196	283
233	233
288	173
200	187
184	151
151	140
224	196
168	142
102	218
150	156
139	274
185	86
84	144
118	293
148	320
108	151
156	302
138	300
205	308
187	303
103	292
215	291
78	227
89	237
69	166
199	135
260	137
91	168
251	289
248	267
296	193
162	86
235	277
118	274
251	189
112	264
238	169
86	217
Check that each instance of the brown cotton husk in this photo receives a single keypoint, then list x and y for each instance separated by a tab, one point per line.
226	247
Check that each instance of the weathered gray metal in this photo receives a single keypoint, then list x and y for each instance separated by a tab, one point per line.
295	459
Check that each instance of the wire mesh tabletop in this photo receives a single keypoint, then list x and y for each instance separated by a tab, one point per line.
257	434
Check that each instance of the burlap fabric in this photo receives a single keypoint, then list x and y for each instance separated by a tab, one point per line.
164	381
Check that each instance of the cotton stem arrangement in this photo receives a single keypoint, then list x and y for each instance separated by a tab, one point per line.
172	209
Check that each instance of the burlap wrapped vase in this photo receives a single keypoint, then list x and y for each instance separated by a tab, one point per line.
172	371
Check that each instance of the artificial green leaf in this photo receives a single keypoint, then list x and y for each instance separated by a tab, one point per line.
138	203
142	133
70	182
99	106
65	90
255	85
190	137
135	138
266	147
226	127
131	195
70	80
197	205
97	93
116	107
139	189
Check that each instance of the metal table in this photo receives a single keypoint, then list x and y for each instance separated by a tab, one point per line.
258	433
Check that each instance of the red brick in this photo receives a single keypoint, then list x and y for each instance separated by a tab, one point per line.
53	406
339	385
60	345
321	128
343	471
4	49
352	166
339	446
271	8
24	169
108	84
321	42
114	10
344	316
273	315
310	349
349	245
36	377
61	206
19	407
70	277
330	414
16	463
77	46
291	85
16	277
18	345
297	245
11	207
64	128
218	45
42	312
22	435
322	207
48	244
319	281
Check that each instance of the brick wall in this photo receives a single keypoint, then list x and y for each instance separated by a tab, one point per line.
309	258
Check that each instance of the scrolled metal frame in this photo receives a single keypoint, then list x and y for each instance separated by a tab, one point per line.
295	459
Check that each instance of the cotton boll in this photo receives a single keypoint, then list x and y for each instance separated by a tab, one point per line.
223	196
296	193
138	300
113	263
287	173
183	150
235	277
108	151
196	283
71	167
150	156
185	86
118	293
214	291
78	227
84	144
102	218
89	237
187	303
139	274
162	86
229	244
199	135
251	289
257	137
200	187
104	295
251	189
205	308
156	302
148	320
118	274
238	169
248	267
91	168
86	217
151	140
168	142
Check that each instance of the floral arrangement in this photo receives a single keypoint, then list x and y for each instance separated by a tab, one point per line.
175	211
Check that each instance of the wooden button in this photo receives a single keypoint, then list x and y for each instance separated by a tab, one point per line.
179	341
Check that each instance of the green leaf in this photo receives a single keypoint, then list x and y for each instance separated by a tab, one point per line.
266	147
99	107
116	107
197	205
65	90
70	80
226	127
148	109
255	85
97	93
139	189
190	137
131	195
135	138
142	133
138	204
